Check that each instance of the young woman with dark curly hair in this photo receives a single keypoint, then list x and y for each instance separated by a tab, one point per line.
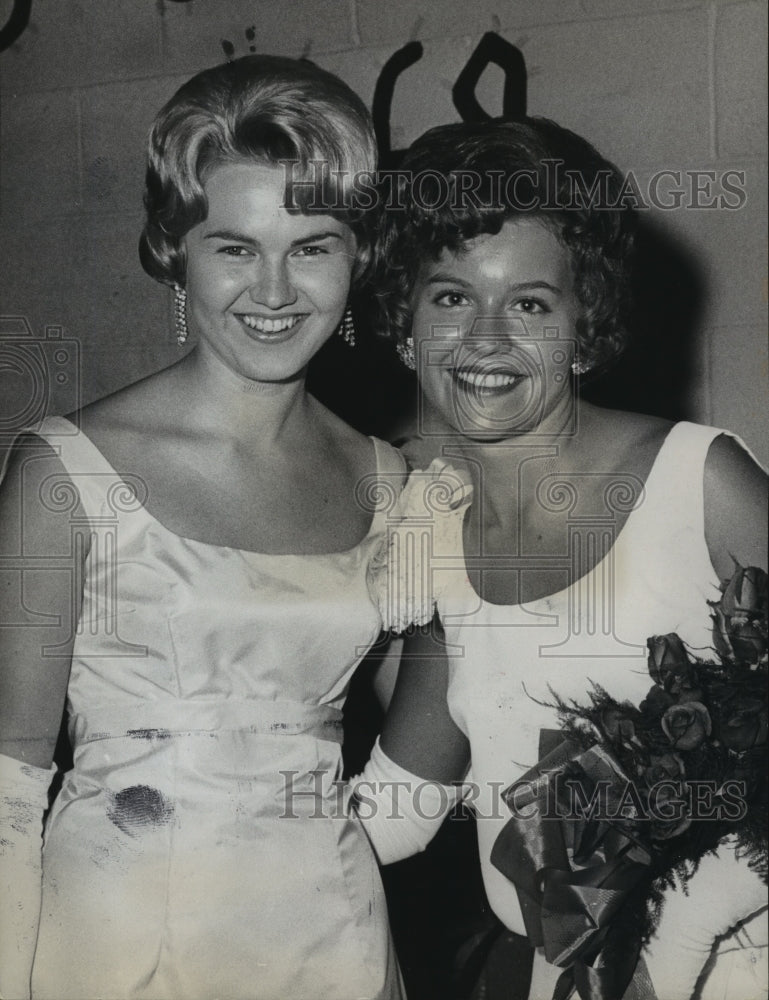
507	258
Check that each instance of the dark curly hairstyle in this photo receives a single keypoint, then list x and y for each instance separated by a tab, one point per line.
460	181
263	109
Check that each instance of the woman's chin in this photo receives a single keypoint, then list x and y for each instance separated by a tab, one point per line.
494	431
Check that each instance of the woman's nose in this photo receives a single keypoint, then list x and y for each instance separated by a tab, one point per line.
272	285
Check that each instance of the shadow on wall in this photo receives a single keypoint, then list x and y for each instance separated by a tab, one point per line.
656	372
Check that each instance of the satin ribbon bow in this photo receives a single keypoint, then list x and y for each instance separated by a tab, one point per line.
581	878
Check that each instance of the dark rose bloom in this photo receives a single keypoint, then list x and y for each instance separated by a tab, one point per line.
664	767
668	661
687	689
668	809
740	616
617	724
656	702
741	720
686	725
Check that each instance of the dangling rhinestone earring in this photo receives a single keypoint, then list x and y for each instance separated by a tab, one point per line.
580	367
180	314
347	328
405	350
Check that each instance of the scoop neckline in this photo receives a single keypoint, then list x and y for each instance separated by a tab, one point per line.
549	598
187	540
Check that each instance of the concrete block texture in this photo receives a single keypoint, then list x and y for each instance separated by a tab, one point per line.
40	161
88	281
741	80
404	20
200	33
725	247
732	248
400	21
116	121
637	87
739	384
75	42
422	96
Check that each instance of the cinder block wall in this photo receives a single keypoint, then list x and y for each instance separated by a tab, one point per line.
657	84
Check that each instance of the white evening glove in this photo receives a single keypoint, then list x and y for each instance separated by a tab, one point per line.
723	894
400	811
23	800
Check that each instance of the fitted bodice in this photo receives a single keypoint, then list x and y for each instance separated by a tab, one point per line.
202	840
653	576
217	624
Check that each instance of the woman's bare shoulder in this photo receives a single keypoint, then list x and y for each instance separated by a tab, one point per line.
626	422
123	424
621	435
139	407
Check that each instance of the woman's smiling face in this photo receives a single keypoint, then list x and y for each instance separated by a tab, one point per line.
266	288
495	333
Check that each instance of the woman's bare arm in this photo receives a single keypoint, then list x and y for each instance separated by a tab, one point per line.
410	783
40	574
40	580
736	505
419	733
724	892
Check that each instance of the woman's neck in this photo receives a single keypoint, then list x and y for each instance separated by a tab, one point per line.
557	445
230	403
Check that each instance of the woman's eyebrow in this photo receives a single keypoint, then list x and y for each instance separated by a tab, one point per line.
228	234
533	286
237	237
316	238
445	277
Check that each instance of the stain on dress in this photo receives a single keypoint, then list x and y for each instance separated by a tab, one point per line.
149	734
138	807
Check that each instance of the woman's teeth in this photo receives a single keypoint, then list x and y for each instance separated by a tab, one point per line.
270	325
481	380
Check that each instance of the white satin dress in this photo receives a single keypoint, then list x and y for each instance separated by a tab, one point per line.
200	847
652	576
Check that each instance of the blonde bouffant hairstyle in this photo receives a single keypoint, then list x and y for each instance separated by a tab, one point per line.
261	109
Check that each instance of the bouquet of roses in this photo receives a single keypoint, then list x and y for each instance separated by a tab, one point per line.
696	747
642	793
